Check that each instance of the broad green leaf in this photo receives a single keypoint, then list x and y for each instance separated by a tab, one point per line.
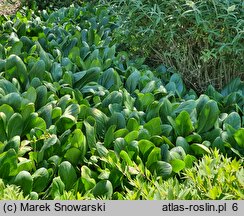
195	137
166	129
90	135
38	70
153	110
219	144
88	183
177	165
119	145
117	119
144	100
131	136
188	106
150	87
200	149
213	94
103	188
144	134
57	187
56	112
177	153
129	101
157	140
91	75
183	125
145	148
45	57
154	156
208	116
109	136
116	108
73	109
35	82
41	98
12	99
239	137
73	53
65	122
171	88
46	114
77	77
13	143
40	179
8	163
189	161
233	86
132	124
3	136
25	164
33	121
233	120
162	168
16	48
73	155
56	71
101	120
154	126
133	149
6	87
102	151
168	141
15	125
181	141
201	102
123	154
54	160
110	79
176	78
132	81
165	153
25	181
78	141
15	67
112	98
49	142
31	94
7	110
67	174
120	133
211	135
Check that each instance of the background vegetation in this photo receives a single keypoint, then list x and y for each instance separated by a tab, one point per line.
82	118
203	40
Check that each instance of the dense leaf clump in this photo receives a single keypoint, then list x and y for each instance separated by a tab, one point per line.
79	119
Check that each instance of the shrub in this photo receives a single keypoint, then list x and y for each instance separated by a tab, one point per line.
214	177
217	177
201	39
43	4
10	192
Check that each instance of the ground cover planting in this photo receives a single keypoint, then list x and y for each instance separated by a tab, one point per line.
81	119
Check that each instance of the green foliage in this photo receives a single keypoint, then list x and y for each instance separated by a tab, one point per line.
81	120
11	192
215	177
51	4
203	40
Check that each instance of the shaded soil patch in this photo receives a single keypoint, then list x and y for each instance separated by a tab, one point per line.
9	6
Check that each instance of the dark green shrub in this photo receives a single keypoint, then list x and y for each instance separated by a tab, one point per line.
203	40
43	4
